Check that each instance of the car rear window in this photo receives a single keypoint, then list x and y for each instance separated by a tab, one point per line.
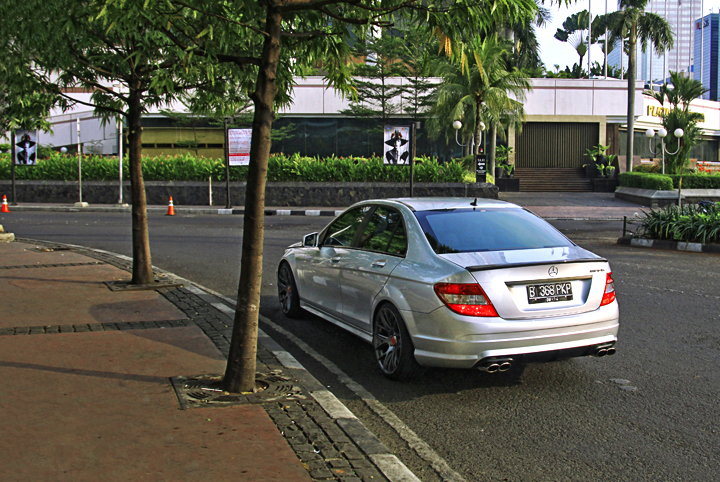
487	229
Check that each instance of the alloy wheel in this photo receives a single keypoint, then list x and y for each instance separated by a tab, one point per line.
387	341
286	286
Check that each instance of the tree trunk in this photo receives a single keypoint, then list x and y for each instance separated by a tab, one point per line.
142	262
631	98
491	149
240	371
477	128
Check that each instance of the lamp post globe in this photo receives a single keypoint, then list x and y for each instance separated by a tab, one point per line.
679	132
457	125
63	150
662	132
482	126
649	133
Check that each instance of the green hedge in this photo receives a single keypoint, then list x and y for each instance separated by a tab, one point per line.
652	168
690	181
658	182
696	181
187	167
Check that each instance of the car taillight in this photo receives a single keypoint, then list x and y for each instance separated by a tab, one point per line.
465	299
609	295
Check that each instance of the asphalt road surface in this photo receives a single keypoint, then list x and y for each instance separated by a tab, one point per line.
649	413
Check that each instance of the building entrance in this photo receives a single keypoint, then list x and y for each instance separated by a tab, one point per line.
555	144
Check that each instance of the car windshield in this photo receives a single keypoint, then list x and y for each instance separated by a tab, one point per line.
487	229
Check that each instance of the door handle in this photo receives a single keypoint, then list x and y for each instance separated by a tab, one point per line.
379	263
336	259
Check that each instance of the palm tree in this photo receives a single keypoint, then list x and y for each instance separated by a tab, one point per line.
526	48
479	90
574	32
633	23
684	90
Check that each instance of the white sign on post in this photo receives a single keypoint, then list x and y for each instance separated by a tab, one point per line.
239	146
25	148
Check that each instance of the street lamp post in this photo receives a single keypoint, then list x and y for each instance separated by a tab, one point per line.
415	127
662	133
226	121
457	125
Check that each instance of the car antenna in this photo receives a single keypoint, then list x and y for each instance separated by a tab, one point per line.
474	203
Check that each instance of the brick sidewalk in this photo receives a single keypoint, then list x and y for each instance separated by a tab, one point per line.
89	394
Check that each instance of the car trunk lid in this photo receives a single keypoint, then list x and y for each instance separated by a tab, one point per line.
542	282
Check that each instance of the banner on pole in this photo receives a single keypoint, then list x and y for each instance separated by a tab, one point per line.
25	148
396	139
239	147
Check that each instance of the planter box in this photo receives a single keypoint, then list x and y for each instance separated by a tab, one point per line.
591	171
508	184
660	199
279	194
601	184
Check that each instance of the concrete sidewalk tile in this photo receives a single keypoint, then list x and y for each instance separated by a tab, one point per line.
96	402
65	295
100	406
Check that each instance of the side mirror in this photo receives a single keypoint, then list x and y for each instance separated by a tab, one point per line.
310	240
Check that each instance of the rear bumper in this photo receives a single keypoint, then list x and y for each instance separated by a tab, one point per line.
444	339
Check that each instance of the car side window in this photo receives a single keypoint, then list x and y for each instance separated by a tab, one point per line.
384	232
342	231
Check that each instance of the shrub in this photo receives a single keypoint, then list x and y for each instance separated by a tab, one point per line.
696	181
652	168
690	224
658	182
187	167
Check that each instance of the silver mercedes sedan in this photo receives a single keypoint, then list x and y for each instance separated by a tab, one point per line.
453	282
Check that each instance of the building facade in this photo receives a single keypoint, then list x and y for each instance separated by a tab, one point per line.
707	43
681	15
565	117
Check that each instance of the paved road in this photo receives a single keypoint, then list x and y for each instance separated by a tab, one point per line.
651	412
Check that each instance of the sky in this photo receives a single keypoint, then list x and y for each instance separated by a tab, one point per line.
554	52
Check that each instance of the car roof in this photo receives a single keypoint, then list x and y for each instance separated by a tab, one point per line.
435	203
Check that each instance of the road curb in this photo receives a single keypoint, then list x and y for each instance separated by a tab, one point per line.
376	452
178	210
669	245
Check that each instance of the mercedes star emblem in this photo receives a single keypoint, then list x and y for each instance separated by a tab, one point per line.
553	271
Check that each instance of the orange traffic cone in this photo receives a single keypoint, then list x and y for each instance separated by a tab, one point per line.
171	208
5	208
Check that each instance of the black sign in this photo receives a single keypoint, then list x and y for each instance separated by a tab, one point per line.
480	168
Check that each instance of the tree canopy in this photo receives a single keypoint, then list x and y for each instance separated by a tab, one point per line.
480	88
156	49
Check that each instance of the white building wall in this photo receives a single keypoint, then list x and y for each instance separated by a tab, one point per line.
312	97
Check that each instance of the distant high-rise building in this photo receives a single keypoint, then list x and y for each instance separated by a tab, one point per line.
681	15
707	43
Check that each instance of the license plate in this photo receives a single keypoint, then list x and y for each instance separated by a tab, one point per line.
549	292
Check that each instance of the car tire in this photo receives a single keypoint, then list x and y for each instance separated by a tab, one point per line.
287	292
393	347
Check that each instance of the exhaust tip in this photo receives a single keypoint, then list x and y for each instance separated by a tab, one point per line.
603	350
496	365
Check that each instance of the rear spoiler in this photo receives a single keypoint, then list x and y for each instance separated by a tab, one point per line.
534	263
